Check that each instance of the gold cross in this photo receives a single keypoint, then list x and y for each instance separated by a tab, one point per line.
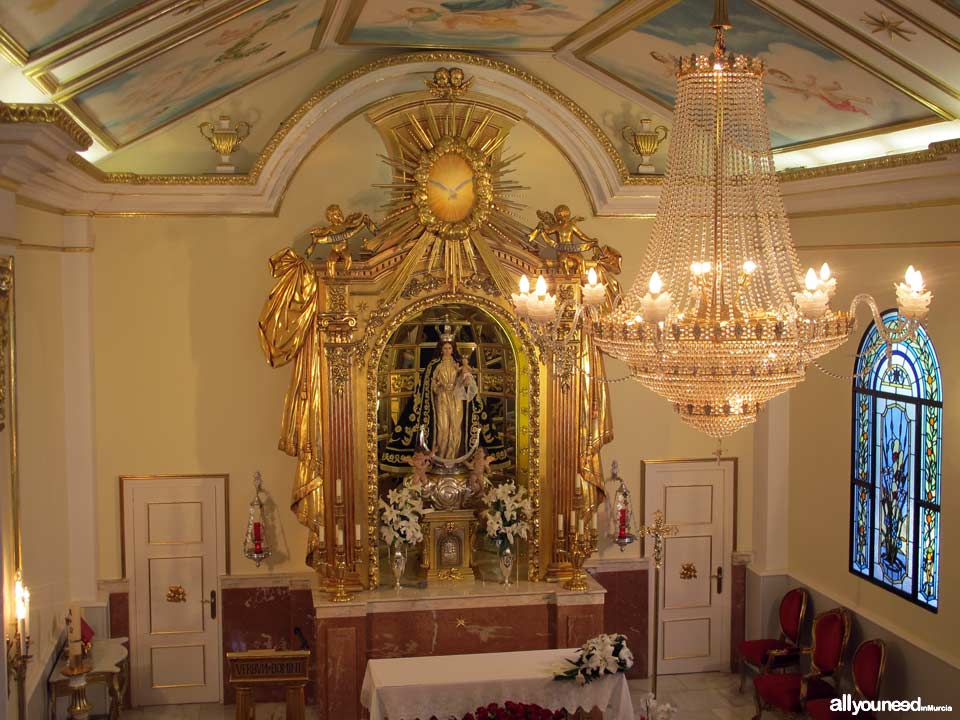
658	531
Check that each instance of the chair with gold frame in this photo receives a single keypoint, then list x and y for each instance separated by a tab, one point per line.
756	654
789	692
867	666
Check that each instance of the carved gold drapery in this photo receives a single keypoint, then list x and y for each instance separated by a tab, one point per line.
596	420
289	330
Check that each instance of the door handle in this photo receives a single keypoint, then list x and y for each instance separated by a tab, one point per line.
212	602
719	577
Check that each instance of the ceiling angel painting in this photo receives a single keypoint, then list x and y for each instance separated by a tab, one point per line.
812	92
40	24
493	24
145	97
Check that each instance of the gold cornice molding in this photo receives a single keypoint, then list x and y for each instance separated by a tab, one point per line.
44	114
934	152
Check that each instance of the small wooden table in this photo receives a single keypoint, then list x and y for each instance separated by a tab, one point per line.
109	665
287	668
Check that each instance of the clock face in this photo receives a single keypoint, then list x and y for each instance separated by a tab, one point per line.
450	189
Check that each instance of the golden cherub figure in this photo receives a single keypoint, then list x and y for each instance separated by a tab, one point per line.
559	230
479	467
338	236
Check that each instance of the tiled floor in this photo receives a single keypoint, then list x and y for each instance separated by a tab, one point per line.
706	696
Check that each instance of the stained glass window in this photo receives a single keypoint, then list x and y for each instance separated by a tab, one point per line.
895	490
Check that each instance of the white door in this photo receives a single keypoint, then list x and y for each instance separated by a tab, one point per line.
174	531
698	497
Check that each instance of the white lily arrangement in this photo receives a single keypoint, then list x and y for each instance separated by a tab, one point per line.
602	655
507	514
652	709
400	515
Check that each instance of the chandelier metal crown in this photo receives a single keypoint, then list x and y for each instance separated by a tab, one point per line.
720	319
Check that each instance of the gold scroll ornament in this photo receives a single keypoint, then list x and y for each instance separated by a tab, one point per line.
176	594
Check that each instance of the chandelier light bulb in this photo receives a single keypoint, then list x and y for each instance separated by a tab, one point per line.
591	277
914	279
824	272
749	267
524	284
541	289
696	268
812	282
656	284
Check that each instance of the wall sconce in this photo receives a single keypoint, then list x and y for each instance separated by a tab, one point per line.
18	647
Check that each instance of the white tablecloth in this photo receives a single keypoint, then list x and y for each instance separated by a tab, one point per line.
453	685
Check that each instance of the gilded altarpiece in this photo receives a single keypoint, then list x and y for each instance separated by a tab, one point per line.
402	302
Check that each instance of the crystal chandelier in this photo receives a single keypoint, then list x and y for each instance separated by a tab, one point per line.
720	319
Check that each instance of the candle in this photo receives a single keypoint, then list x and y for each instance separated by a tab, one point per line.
594	292
912	300
596	522
26	615
580	526
339	537
656	304
560	524
257	532
356	531
813	301
623	523
322	535
573	520
339	489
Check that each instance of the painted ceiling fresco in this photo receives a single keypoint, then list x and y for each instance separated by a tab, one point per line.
473	24
145	97
812	92
39	24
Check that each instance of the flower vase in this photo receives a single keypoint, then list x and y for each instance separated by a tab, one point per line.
398	564
506	565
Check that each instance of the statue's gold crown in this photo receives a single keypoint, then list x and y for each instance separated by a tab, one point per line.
448	335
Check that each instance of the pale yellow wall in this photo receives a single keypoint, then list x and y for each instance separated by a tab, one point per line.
821	407
41	433
182	387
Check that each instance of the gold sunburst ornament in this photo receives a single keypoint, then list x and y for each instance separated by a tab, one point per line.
448	188
885	24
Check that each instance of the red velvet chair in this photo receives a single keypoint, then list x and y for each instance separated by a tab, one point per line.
755	654
867	668
789	691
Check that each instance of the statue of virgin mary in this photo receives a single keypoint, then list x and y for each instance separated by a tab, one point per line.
446	416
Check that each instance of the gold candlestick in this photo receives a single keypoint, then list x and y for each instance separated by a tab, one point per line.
578	545
339	567
18	656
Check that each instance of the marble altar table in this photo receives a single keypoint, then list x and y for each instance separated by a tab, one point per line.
446	618
445	687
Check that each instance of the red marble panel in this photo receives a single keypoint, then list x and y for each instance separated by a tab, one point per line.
341	673
575	624
626	611
738	610
334	661
455	632
118	605
265	617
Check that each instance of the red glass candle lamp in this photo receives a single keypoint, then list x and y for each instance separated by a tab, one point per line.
623	534
255	545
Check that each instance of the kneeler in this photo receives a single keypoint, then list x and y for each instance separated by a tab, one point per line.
867	669
789	692
759	655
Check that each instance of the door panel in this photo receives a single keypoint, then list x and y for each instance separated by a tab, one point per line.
697	497
175	551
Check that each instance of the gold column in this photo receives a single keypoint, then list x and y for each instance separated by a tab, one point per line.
563	449
340	355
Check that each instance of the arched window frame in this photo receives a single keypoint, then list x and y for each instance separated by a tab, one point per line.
919	407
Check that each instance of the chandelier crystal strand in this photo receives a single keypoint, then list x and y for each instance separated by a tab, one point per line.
729	337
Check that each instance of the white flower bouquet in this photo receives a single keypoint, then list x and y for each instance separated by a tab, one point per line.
602	655
400	515
651	709
507	514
